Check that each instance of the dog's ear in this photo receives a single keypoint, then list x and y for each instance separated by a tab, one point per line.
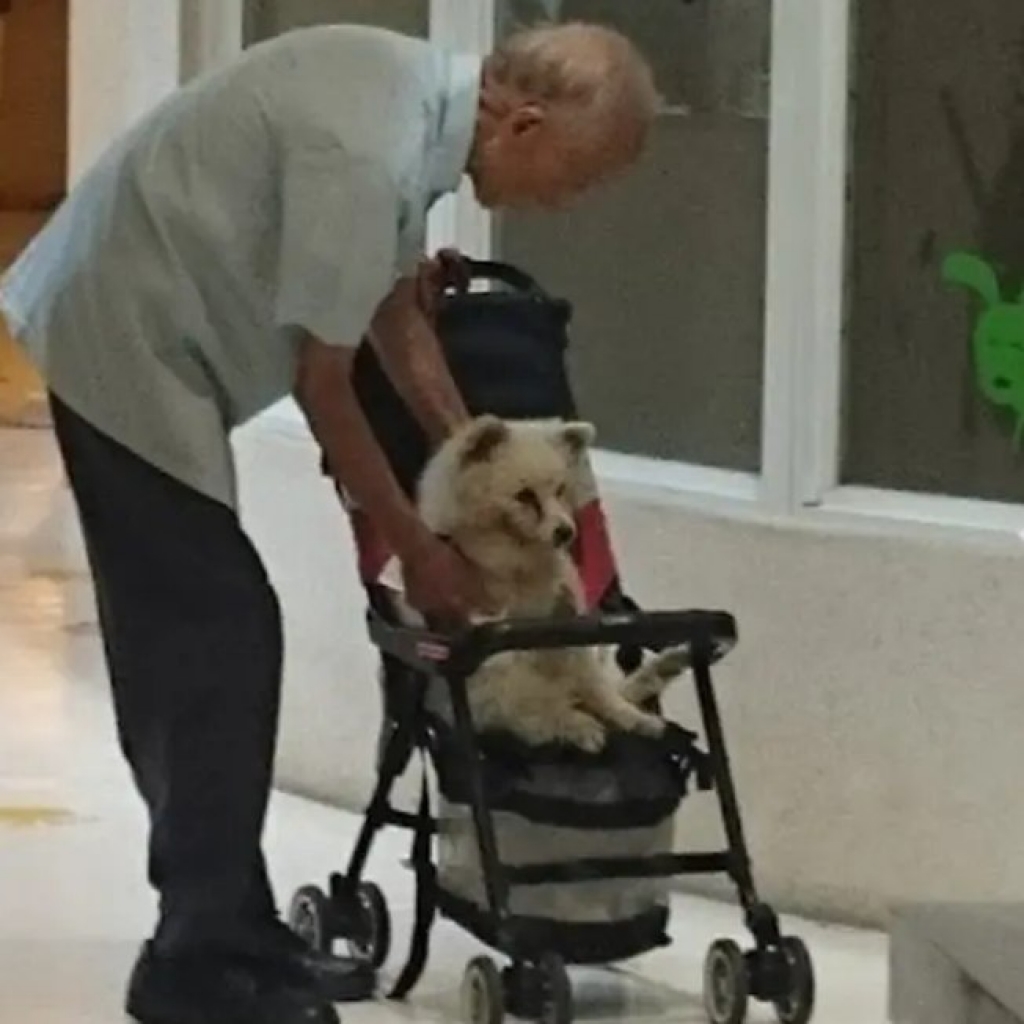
575	438
484	435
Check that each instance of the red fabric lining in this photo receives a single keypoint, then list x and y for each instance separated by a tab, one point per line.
592	551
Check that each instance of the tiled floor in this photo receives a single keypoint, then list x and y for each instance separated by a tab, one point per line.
72	901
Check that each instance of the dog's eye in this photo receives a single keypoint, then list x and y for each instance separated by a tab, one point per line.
561	492
528	498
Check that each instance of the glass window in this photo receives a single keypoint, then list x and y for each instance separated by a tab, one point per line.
267	18
934	354
666	268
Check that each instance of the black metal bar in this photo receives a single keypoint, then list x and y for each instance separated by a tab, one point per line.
715	630
495	883
461	653
403	819
421	649
378	811
721	771
373	822
593	868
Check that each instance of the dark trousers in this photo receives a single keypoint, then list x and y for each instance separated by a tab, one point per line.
192	635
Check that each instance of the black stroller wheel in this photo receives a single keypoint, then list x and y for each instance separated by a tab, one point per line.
309	916
555	991
369	935
797	1006
726	983
482	996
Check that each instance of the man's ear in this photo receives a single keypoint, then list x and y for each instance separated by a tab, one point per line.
526	118
482	438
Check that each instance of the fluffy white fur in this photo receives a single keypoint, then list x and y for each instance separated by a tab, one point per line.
503	494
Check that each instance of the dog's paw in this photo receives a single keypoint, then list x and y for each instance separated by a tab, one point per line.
650	725
586	732
671	663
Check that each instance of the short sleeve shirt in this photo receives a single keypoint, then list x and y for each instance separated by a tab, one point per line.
283	194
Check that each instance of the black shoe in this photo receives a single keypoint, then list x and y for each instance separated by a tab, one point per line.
339	979
218	990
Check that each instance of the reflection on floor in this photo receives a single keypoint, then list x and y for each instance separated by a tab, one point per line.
21	399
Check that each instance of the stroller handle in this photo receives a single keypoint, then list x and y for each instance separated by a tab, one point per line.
508	275
709	635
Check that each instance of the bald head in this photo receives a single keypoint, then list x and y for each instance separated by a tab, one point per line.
562	108
589	74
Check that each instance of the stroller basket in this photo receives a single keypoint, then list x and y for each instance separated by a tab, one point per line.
549	856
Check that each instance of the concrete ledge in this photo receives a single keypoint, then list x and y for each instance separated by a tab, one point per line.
957	964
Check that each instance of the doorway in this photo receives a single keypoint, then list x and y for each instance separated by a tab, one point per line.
33	172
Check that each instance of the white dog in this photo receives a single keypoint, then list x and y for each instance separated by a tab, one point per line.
503	493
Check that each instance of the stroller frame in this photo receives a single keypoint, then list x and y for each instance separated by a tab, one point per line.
777	969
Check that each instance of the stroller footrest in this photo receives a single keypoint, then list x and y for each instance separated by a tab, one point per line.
527	938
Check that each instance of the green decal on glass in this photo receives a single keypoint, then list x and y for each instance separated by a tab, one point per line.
998	338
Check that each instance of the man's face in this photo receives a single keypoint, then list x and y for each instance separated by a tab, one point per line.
527	158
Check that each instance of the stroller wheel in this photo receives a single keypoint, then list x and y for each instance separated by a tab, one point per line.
555	990
309	916
369	935
483	997
797	1006
726	983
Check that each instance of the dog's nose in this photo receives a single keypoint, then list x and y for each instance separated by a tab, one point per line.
564	535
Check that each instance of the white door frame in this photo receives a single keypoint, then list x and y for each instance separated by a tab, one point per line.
466	26
126	55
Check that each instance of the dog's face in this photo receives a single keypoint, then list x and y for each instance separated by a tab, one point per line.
509	479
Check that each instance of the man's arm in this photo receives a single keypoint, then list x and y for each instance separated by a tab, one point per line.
325	393
411	355
438	581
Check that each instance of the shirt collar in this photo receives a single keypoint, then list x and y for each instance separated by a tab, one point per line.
459	96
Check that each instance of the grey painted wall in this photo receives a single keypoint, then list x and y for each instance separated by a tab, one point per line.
938	166
265	18
669	263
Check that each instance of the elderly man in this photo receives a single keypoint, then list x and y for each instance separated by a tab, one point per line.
229	250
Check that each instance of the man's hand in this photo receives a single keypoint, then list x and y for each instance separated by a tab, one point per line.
442	585
447	269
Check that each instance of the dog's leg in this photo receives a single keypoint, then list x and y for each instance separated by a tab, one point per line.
610	706
597	694
649	681
562	724
621	707
510	694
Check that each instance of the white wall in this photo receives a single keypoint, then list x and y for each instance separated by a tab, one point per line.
211	33
124	57
875	704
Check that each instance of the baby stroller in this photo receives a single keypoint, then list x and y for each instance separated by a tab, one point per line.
549	857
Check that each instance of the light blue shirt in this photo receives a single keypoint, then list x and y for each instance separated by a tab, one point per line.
286	192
